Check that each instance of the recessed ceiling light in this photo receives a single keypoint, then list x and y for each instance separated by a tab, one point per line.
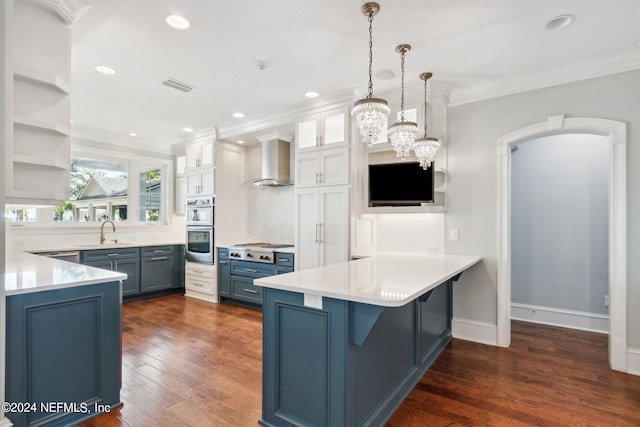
178	22
105	70
188	129
133	134
559	22
71	121
238	115
311	94
240	141
387	74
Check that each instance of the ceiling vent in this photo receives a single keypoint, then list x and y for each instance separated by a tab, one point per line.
176	84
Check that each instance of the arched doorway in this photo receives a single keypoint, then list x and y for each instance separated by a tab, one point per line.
617	137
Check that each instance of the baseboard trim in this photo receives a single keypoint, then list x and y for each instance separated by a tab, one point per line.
201	296
633	361
472	330
558	317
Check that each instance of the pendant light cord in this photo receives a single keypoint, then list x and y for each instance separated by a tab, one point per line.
402	86
425	106
370	93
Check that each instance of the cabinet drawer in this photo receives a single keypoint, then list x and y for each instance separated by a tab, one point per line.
152	251
199	284
244	289
282	270
252	269
284	259
113	253
223	253
204	271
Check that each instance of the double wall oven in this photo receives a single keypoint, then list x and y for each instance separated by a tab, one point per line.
200	213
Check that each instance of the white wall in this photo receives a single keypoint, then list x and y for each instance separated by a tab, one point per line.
559	223
473	130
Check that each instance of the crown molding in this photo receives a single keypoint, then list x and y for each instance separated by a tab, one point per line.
69	10
613	64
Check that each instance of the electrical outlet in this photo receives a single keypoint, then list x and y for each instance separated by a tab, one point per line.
453	234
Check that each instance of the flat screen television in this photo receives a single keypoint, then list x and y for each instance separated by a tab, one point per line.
400	184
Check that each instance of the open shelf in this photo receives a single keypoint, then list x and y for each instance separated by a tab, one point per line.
42	77
39	124
41	161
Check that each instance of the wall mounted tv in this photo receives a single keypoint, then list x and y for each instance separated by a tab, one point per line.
400	184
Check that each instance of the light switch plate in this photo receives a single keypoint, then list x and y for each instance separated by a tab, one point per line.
313	301
453	234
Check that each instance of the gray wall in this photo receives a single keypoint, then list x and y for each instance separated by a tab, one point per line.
473	130
559	220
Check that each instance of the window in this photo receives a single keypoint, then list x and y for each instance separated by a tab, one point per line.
150	194
106	187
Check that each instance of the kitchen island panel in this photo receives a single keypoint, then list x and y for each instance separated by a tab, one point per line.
63	347
347	363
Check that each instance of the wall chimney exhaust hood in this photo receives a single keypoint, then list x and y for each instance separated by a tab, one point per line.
275	162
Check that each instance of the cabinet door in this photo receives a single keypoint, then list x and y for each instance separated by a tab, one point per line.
206	181
157	273
307	229
307	133
334	128
130	267
180	193
242	288
334	166
192	183
307	169
334	225
193	155
224	278
206	154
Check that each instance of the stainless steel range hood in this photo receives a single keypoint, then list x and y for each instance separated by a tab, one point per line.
275	163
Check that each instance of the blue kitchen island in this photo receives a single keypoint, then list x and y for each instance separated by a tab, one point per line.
63	359
344	344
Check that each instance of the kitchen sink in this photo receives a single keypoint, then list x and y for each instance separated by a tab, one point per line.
104	245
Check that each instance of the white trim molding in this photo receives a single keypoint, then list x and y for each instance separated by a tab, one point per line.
581	320
472	330
633	361
616	132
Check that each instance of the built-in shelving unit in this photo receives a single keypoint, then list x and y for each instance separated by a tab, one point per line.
39	149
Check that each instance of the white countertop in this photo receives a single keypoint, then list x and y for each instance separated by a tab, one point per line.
386	279
27	273
67	247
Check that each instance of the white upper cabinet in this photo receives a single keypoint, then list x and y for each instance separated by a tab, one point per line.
329	129
322	167
199	154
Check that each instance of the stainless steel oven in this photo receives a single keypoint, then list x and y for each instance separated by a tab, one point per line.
199	246
200	229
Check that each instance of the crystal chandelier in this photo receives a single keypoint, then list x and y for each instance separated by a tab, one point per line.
425	147
370	113
402	134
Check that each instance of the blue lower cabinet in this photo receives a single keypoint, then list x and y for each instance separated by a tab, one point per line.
63	354
348	363
224	273
156	268
242	288
122	260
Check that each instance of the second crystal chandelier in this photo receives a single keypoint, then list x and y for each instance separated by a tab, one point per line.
402	134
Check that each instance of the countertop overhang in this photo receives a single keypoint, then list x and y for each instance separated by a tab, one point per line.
386	279
26	273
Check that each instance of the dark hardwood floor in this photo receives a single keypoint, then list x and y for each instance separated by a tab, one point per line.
192	363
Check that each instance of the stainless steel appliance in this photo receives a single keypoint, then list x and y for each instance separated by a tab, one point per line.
200	229
200	211
257	252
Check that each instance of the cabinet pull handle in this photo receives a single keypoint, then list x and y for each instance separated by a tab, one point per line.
321	240
113	254
223	262
321	177
158	251
317	232
160	258
251	291
116	265
250	270
283	259
198	284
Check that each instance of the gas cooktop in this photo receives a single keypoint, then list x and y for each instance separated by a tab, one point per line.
258	252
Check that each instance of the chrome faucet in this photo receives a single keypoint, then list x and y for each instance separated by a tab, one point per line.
102	239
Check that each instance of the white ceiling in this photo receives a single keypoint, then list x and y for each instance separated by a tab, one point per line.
483	48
